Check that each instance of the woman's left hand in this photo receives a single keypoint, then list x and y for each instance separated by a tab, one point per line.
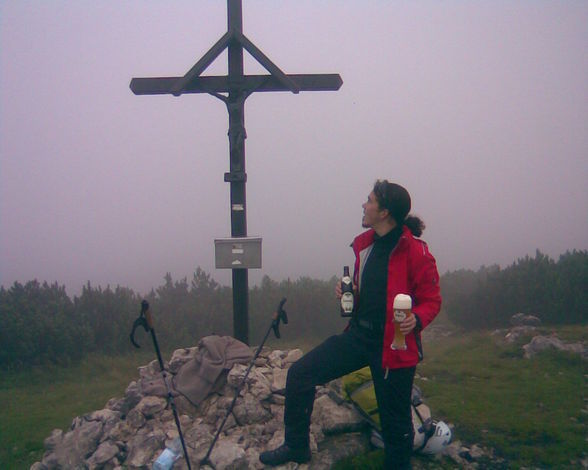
408	324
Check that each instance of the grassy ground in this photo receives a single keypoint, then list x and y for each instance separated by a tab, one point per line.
36	402
531	411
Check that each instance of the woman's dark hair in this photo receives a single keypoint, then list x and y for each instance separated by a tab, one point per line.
396	200
415	225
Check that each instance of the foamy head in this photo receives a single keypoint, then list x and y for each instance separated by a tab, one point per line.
402	302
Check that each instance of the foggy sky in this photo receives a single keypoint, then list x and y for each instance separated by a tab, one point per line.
479	109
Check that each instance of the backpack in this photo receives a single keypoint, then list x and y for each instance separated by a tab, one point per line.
359	389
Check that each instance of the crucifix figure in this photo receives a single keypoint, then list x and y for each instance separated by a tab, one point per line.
233	89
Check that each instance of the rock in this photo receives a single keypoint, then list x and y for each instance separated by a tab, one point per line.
136	419
293	356
335	419
259	385
53	440
543	343
147	371
454	451
76	446
519	331
150	406
228	455
522	319
143	449
474	453
106	451
248	411
130	400
180	357
279	381
275	358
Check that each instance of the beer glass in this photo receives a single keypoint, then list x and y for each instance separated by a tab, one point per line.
402	309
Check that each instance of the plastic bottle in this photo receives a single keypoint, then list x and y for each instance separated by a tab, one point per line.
168	457
347	297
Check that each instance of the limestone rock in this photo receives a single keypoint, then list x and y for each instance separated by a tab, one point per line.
180	357
522	319
53	440
293	356
143	449
279	380
228	456
150	406
519	331
543	343
248	411
335	419
76	446
105	452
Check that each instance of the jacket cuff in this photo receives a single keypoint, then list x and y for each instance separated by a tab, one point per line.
419	325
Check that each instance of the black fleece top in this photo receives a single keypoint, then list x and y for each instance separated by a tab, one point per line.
374	279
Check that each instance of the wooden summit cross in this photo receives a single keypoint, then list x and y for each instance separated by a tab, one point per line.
233	89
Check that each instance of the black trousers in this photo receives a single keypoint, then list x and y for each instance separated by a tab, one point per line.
337	356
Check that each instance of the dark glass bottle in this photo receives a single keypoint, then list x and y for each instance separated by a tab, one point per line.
347	296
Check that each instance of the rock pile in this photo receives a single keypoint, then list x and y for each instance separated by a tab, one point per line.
131	431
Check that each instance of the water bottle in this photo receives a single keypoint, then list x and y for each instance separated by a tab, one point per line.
168	457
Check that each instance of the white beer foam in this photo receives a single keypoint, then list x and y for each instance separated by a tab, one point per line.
402	302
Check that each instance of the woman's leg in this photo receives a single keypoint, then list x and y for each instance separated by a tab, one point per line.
393	395
335	357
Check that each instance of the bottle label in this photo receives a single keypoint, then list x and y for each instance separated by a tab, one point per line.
347	302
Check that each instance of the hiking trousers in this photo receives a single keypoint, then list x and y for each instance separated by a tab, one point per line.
340	355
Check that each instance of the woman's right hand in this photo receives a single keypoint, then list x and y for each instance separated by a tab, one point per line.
338	292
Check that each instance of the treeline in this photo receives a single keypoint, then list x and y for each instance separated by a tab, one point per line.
556	292
40	324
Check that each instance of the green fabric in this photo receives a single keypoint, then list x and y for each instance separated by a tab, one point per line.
359	389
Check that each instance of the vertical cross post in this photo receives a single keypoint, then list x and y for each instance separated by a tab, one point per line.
237	176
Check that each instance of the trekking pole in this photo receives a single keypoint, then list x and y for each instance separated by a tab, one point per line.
279	315
146	322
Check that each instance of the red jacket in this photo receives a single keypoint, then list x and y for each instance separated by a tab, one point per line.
411	270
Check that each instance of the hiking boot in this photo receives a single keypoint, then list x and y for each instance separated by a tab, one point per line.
285	454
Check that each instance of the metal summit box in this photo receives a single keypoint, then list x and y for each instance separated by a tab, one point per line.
237	253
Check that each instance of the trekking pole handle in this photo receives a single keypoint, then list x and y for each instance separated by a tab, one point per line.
279	315
145	312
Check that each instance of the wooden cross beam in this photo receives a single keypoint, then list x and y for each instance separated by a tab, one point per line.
233	89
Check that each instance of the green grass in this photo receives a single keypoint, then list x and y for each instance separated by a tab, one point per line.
529	410
40	400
